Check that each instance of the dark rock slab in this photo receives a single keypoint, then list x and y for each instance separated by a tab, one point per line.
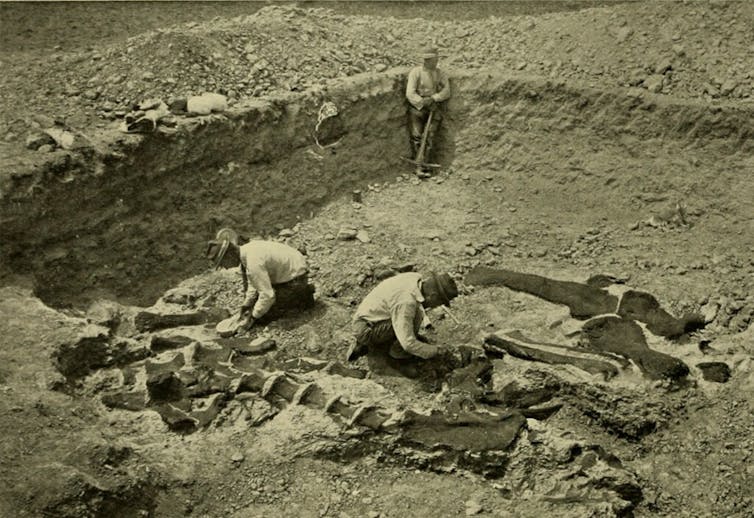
586	301
125	400
146	321
177	419
718	372
89	350
617	335
644	307
165	386
163	343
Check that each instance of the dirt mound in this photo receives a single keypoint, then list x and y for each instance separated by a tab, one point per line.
664	47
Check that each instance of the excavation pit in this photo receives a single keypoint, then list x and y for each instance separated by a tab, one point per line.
565	179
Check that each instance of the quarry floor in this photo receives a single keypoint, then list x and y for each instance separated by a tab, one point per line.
562	204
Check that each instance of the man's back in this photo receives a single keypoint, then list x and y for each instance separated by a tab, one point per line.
399	289
281	262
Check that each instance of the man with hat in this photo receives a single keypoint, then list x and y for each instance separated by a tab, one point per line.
427	86
392	314
275	275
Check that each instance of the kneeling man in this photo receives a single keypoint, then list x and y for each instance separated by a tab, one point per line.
275	275
393	312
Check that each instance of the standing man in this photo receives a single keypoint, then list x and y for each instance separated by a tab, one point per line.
427	87
275	275
393	312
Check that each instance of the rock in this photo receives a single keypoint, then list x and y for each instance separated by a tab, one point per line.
237	457
52	380
258	345
163	343
182	296
346	234
164	387
152	321
104	313
381	67
363	236
662	67
718	372
654	83
88	350
313	342
47	148
728	86
679	50
473	507
623	34
709	311
286	232
38	140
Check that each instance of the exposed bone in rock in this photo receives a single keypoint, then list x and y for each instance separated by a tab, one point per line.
164	386
151	321
587	301
516	344
92	349
628	412
568	471
468	441
624	337
162	343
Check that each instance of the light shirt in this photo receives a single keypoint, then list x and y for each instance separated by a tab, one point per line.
398	299
268	263
423	82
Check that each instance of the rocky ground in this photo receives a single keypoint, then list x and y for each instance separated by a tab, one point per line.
534	200
693	50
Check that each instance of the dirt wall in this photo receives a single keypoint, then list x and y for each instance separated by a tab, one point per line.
128	216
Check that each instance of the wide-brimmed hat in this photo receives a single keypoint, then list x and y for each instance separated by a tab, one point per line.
216	248
444	285
429	52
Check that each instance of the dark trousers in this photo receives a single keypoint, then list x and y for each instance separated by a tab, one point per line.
381	336
417	119
293	296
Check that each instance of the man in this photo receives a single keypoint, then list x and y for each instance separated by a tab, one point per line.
393	312
427	87
275	275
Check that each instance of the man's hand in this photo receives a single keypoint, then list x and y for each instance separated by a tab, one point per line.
428	102
444	350
246	326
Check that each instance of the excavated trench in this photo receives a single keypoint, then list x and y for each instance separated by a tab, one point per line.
126	217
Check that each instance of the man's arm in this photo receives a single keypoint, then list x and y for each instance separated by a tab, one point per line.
413	97
259	280
444	93
402	317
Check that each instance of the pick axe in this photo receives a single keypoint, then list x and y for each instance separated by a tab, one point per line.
419	160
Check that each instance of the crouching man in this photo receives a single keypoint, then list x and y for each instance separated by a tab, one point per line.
275	275
391	315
